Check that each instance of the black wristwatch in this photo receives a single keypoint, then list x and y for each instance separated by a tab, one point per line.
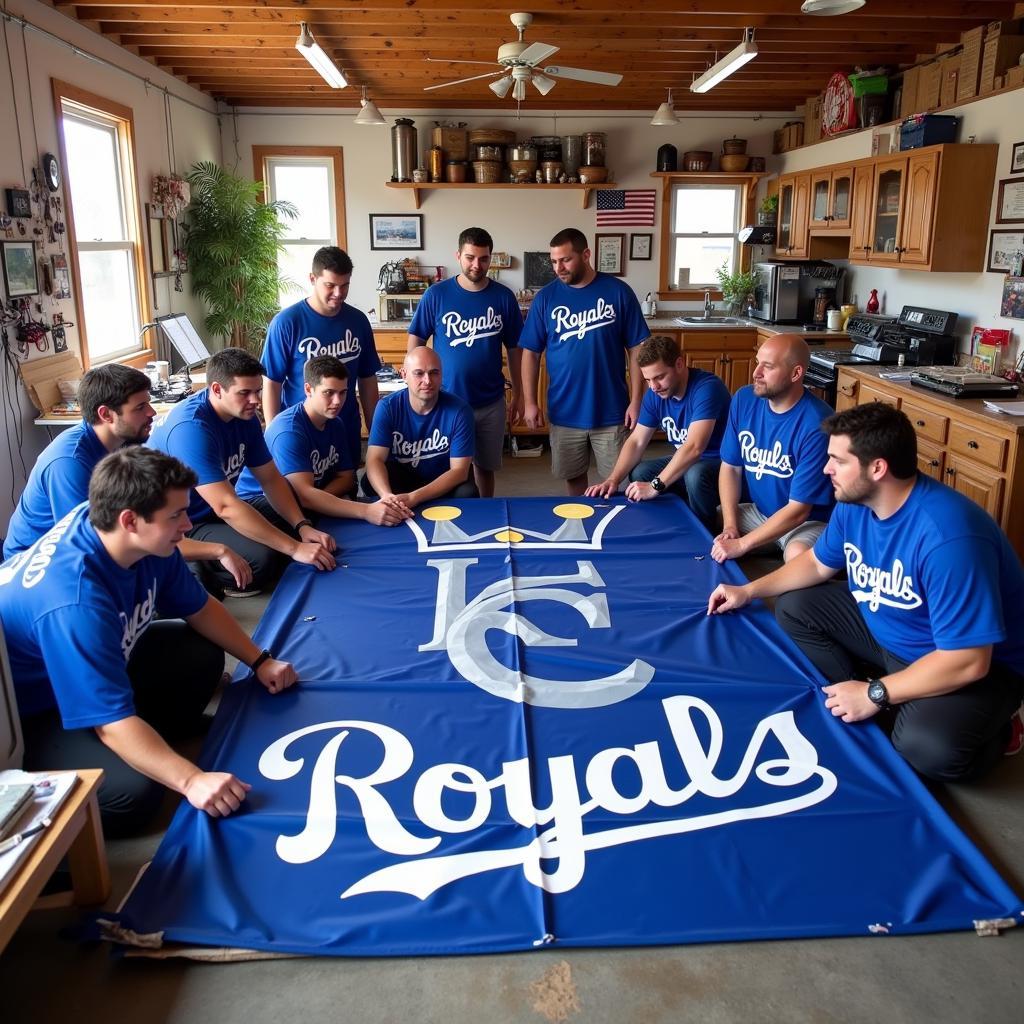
658	485
878	694
300	524
263	656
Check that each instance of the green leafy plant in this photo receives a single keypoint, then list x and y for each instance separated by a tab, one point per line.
232	239
736	287
770	204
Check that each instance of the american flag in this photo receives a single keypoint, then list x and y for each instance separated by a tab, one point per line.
633	207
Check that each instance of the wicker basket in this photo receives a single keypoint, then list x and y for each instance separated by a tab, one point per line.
697	160
491	137
487	172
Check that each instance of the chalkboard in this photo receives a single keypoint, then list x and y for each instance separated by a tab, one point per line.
538	269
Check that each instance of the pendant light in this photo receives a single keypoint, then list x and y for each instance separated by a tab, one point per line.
369	114
666	113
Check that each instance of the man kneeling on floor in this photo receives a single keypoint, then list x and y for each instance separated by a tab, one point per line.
421	443
932	585
98	682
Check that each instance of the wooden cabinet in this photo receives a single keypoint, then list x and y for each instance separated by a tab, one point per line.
730	354
860	217
794	211
831	199
902	204
978	453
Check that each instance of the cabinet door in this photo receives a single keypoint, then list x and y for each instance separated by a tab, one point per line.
821	193
737	370
861	234
840	207
887	205
784	234
704	359
799	242
931	460
981	486
847	392
915	244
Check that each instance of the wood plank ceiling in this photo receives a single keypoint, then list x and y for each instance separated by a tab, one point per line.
242	52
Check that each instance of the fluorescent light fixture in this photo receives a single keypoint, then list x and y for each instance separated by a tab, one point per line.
369	114
543	84
323	64
732	61
501	87
666	113
830	8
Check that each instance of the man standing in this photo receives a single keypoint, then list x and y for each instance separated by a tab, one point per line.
470	318
216	433
323	324
692	407
98	681
309	446
421	441
587	323
116	411
926	612
774	447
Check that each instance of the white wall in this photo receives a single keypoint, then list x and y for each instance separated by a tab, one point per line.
518	220
35	58
974	297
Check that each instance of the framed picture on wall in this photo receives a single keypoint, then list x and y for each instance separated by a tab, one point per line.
1017	158
396	231
537	269
609	253
21	276
640	246
1013	298
1003	248
1010	204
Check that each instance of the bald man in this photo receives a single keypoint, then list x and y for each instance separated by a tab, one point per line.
421	442
775	450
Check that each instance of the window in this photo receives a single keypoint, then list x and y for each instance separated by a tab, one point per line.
311	179
103	224
703	227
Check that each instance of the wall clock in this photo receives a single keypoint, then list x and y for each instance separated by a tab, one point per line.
838	110
51	172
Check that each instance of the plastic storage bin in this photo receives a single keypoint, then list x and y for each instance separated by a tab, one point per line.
927	130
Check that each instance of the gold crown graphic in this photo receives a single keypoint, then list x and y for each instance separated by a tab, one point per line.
571	534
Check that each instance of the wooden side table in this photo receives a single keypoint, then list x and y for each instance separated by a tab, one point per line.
75	833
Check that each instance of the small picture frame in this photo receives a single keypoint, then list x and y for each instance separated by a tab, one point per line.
640	246
1003	247
61	276
609	252
396	231
537	269
1013	298
21	273
1010	202
1017	158
19	202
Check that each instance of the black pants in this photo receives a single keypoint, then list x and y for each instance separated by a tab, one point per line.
952	737
266	563
403	480
174	672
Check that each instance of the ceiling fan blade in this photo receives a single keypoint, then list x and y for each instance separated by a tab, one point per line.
456	60
459	81
537	52
583	75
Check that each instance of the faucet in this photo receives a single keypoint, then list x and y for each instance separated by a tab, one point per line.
709	306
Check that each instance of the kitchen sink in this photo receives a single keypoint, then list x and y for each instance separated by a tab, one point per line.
710	320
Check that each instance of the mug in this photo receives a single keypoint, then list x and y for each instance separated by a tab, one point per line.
835	319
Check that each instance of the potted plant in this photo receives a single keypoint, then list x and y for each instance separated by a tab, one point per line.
737	288
232	239
768	210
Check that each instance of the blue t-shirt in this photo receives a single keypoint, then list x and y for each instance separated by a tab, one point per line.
58	482
469	329
783	455
586	333
424	444
216	450
706	398
299	447
72	616
937	575
299	333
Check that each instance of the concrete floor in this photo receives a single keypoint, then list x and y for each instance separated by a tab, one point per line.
955	977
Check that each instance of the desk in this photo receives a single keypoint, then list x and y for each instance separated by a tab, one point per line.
76	833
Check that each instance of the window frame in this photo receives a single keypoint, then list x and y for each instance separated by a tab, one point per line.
670	182
261	155
124	124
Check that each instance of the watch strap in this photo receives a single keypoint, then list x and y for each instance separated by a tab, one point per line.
263	656
657	484
878	694
301	523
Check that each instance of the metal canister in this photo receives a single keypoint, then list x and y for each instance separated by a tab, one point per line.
403	149
436	163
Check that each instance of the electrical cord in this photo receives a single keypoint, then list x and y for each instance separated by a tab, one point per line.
17	117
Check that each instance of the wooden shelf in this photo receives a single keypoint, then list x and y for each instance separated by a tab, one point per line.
726	176
416	187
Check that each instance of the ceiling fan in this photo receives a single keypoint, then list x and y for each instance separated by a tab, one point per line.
519	64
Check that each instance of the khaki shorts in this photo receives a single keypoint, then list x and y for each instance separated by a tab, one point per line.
490	423
571	448
807	532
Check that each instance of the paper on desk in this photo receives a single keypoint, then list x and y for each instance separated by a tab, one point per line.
43	806
1009	408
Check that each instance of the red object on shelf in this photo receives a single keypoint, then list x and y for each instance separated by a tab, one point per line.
872	304
838	107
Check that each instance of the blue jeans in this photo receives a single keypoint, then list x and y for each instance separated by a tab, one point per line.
698	486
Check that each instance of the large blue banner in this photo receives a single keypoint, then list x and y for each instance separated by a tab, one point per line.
517	726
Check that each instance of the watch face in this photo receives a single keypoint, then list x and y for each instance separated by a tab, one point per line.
51	172
877	693
657	484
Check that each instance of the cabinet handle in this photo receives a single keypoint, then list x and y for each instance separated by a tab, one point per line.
918	423
848	389
973	444
934	462
950	472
